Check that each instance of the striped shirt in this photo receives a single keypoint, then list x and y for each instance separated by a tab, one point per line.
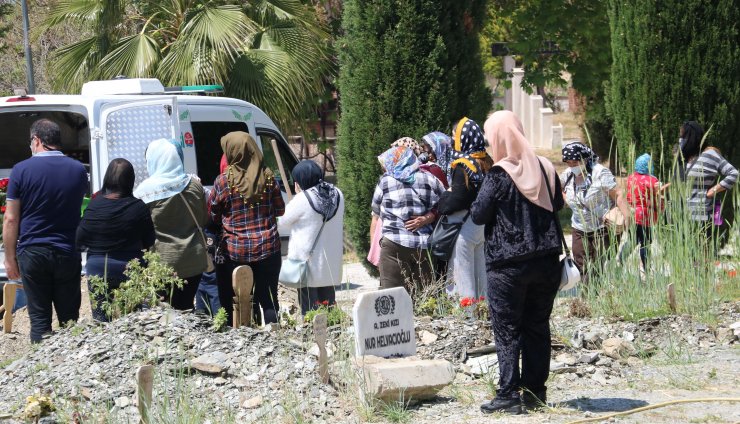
703	173
395	203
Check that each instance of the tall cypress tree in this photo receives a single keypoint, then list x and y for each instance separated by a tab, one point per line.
675	60
407	67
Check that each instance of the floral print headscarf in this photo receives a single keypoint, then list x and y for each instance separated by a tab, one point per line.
440	144
400	163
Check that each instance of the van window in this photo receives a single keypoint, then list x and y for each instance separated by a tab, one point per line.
286	157
15	141
207	135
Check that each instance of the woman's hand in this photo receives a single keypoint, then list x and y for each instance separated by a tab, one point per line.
419	221
714	190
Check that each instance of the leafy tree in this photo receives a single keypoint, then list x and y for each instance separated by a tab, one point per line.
675	60
270	52
580	29
6	9
406	68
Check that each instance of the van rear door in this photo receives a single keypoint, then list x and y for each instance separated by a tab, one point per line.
128	128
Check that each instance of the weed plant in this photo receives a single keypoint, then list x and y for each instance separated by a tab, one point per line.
143	286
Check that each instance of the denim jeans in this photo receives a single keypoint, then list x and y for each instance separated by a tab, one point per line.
50	278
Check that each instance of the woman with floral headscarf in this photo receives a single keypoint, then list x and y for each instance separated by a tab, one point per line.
245	202
405	200
435	156
522	260
422	152
590	190
466	273
167	192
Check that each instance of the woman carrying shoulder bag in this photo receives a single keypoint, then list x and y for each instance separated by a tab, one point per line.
178	207
522	260
315	219
466	272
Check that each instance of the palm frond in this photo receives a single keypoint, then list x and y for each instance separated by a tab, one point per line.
271	12
75	64
224	28
74	10
133	56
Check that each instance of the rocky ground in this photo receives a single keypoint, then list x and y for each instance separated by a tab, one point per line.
598	367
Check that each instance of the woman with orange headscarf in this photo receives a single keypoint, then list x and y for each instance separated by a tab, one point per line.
522	260
466	272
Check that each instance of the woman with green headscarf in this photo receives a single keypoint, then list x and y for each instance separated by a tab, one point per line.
245	202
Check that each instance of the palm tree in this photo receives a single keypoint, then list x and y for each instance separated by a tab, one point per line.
274	53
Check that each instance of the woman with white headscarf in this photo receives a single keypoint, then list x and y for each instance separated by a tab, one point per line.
315	219
522	260
168	192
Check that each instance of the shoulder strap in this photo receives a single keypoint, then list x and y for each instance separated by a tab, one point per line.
411	186
192	215
316	240
554	212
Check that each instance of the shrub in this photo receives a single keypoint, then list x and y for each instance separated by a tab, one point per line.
674	60
407	68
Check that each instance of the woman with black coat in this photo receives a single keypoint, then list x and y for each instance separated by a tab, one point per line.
522	260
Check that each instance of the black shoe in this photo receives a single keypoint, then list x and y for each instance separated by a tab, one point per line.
509	406
534	400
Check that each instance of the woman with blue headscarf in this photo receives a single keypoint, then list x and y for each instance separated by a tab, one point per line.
644	195
178	206
405	200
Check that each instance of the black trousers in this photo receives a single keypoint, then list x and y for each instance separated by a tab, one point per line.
184	299
51	278
521	297
644	238
266	273
312	298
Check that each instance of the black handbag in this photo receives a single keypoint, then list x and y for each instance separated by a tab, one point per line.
443	238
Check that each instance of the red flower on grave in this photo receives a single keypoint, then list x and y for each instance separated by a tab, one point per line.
466	301
4	184
325	303
2	209
481	299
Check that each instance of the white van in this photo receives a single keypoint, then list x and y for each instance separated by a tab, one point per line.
118	118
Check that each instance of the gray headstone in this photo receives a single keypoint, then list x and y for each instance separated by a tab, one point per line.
384	324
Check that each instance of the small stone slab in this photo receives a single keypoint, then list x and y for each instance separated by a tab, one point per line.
319	331
211	363
403	378
144	384
384	324
242	281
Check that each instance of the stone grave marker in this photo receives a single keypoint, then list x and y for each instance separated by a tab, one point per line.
242	281
319	331
144	383
384	324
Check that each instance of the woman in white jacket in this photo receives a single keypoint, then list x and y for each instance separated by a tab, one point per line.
317	201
